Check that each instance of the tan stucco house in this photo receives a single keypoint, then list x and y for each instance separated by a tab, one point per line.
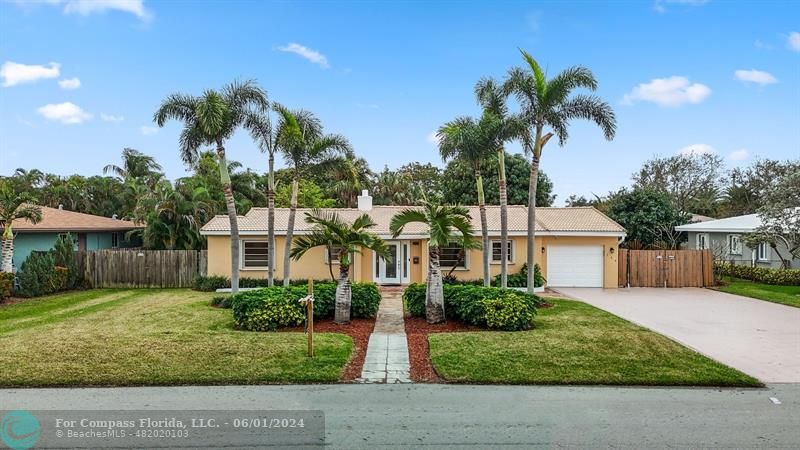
574	247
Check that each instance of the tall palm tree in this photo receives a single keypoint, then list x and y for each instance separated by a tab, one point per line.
302	142
445	224
467	139
14	205
550	104
332	232
135	164
210	120
501	128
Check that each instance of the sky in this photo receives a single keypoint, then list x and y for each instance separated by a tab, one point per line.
81	79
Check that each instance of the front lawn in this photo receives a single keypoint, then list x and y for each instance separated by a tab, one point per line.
785	295
575	343
151	337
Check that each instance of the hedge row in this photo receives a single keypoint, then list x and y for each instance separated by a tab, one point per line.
787	277
47	272
212	283
519	279
486	307
276	307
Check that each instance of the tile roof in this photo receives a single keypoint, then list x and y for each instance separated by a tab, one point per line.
61	220
552	220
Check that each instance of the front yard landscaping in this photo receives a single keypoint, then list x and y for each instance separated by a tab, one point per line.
785	295
575	343
151	337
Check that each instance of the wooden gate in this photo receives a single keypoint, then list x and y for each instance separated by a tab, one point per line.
666	268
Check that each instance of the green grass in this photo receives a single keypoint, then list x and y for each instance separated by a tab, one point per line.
151	337
575	343
785	295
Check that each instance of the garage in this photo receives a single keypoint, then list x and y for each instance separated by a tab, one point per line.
575	265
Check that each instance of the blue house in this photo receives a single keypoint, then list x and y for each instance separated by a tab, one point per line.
90	232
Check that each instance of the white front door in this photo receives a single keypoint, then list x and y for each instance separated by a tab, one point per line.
390	271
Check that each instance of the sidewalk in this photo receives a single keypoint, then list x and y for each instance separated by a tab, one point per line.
387	352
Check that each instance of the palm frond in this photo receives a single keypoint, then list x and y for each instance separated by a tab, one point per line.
405	217
241	95
592	108
177	107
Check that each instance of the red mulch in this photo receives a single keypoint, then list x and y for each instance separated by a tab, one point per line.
359	330
417	331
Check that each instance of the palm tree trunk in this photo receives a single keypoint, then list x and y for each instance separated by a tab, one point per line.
8	249
290	231
344	295
434	298
532	185
501	159
484	227
271	222
225	177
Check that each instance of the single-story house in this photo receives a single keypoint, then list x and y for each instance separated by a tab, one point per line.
574	246
90	232
725	239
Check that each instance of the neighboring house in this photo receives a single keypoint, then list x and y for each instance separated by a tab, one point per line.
725	237
574	246
89	232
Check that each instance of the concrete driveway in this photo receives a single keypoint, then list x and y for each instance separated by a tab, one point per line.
760	338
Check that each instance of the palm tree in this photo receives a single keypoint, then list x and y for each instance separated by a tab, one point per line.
549	104
501	128
13	206
467	139
300	139
135	164
211	119
446	224
331	232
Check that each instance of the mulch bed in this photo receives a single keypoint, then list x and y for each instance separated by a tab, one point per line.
417	331
359	330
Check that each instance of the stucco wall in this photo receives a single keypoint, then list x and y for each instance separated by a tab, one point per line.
312	265
25	243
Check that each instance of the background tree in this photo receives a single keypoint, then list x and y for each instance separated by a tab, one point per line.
780	219
550	104
445	224
460	189
14	205
394	188
683	177
332	232
648	216
210	120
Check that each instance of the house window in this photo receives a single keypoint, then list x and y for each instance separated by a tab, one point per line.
114	240
702	241
453	255
496	250
762	252
734	244
255	254
332	254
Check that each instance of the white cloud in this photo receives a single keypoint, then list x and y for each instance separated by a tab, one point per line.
739	155
661	5
87	7
432	138
148	131
69	83
67	113
697	149
793	41
672	91
15	73
307	53
755	76
110	118
761	44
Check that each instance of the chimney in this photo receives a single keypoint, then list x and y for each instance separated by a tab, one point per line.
60	206
364	201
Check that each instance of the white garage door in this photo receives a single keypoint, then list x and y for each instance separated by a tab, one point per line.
575	265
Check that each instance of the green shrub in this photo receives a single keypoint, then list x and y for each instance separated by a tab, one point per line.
64	256
520	279
268	309
786	277
6	285
487	307
212	283
221	301
36	275
365	301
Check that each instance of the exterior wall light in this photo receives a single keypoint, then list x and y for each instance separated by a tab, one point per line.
543	250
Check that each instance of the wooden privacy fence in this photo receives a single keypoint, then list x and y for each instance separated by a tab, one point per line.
666	268
143	268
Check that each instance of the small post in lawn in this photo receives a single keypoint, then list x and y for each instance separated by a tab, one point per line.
310	318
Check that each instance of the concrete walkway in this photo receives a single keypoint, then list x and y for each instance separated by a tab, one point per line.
387	351
760	338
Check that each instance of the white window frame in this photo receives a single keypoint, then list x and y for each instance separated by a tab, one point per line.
765	256
707	241
242	249
328	259
114	240
735	250
465	267
512	254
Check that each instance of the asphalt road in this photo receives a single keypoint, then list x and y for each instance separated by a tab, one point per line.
372	416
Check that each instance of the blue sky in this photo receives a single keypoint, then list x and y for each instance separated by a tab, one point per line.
80	79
